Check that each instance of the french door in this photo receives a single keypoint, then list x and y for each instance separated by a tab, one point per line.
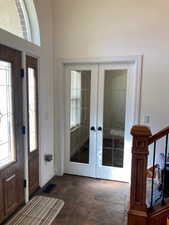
11	140
81	92
100	106
115	117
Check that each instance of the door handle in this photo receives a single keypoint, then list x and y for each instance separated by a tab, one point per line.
99	128
92	128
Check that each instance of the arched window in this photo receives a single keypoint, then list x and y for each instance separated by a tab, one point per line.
19	17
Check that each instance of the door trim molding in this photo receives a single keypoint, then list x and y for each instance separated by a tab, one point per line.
137	60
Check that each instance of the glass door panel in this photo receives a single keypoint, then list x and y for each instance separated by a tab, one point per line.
114	110
80	116
7	146
32	97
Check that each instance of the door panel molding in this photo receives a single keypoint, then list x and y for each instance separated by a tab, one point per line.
10	188
2	211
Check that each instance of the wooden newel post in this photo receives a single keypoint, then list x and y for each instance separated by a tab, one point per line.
137	214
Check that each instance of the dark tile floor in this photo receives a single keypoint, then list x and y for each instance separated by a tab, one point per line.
91	201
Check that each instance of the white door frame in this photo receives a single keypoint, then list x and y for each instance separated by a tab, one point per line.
136	60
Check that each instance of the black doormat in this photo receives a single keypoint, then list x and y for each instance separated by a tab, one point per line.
49	188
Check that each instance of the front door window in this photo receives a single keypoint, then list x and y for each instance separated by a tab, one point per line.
7	147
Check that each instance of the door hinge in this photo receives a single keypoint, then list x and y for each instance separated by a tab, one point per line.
25	183
23	130
22	73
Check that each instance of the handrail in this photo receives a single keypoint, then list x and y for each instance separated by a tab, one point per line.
158	135
139	212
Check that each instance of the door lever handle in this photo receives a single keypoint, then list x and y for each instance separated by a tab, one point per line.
92	128
99	128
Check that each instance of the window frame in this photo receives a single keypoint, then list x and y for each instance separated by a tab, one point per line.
22	6
28	22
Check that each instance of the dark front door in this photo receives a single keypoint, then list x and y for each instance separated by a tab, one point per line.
11	139
32	93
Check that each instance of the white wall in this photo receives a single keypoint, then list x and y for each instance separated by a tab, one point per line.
96	28
45	52
45	14
7	22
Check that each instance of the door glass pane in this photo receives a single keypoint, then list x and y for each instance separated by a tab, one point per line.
32	110
114	117
80	116
7	147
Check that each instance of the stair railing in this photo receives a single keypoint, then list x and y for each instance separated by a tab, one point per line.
139	212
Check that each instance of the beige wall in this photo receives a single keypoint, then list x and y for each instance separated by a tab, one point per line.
10	22
111	28
97	28
45	15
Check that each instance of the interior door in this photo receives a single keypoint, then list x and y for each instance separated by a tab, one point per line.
100	111
11	140
81	119
115	118
32	108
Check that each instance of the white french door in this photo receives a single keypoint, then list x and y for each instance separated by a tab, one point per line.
100	108
115	117
81	119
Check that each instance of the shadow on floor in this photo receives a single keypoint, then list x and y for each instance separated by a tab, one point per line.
90	201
